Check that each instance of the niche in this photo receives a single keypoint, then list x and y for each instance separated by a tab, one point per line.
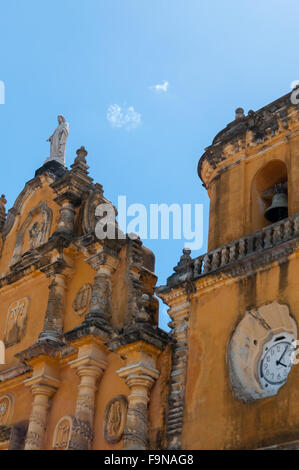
269	195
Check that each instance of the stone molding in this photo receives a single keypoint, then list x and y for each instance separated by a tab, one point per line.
248	132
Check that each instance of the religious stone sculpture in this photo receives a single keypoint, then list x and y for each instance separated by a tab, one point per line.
58	141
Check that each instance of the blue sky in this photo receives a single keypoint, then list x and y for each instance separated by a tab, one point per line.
78	58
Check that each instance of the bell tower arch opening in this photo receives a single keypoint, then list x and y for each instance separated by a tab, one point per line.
269	195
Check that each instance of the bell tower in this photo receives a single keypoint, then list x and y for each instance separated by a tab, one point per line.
235	309
251	172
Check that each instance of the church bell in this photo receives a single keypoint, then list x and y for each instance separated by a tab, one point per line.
279	207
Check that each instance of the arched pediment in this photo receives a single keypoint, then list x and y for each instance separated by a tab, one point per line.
27	192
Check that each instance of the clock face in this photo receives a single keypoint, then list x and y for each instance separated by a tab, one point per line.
276	361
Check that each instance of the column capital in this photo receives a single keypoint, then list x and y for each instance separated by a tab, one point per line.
139	374
105	261
92	356
39	387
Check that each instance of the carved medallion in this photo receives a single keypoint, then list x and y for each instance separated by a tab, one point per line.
82	299
16	321
115	419
62	433
6	409
71	433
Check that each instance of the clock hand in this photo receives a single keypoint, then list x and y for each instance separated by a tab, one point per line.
279	361
284	365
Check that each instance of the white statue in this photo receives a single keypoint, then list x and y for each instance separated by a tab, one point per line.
58	141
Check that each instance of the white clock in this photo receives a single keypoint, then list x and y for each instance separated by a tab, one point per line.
260	351
276	361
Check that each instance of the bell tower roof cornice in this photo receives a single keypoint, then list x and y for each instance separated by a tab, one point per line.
246	134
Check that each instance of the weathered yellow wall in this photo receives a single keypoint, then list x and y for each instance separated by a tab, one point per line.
213	418
35	286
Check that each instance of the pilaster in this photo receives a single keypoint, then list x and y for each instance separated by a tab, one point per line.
141	346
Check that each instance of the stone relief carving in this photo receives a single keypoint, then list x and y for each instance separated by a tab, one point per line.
115	419
35	234
38	230
62	433
71	433
6	409
82	300
16	321
93	200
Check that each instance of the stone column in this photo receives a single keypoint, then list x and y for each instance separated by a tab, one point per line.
85	405
53	324
67	217
90	366
179	313
104	264
140	378
38	419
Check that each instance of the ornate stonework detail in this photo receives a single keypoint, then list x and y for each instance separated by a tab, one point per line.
85	403
3	201
94	199
115	419
6	409
36	234
16	321
62	433
82	300
240	256
247	131
180	325
38	418
35	228
140	374
81	435
33	441
53	323
105	264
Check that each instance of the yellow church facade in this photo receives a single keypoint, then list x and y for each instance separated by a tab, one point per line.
86	366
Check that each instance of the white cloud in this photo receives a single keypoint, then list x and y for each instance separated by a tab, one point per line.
161	87
123	117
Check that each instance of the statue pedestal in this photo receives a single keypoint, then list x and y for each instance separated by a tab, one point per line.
51	166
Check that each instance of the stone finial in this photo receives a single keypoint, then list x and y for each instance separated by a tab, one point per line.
3	201
143	316
80	161
185	258
81	152
239	113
